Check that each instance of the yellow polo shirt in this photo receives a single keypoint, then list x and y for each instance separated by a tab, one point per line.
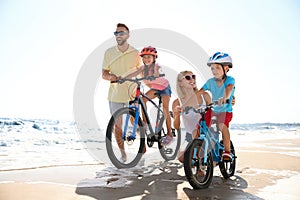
121	64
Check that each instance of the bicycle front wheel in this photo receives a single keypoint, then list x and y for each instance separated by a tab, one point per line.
198	173
125	143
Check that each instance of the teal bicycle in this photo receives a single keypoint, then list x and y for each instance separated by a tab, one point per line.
126	132
201	154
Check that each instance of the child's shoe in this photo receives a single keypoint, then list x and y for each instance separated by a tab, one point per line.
226	156
166	140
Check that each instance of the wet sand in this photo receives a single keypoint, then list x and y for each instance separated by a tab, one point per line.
261	173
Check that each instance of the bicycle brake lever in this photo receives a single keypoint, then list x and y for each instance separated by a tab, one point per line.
121	81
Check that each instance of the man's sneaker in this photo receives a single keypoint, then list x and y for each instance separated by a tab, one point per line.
166	140
226	156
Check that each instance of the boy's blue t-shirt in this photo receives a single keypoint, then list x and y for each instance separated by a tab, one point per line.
218	92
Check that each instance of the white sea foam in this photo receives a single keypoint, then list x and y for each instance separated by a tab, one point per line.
29	143
38	143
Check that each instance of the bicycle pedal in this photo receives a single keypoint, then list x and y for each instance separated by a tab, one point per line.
150	141
173	132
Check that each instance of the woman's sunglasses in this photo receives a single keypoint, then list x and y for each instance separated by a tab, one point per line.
188	77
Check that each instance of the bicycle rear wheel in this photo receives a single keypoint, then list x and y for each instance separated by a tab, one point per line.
133	144
198	173
228	168
170	151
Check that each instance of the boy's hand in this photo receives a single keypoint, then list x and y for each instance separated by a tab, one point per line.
233	100
221	101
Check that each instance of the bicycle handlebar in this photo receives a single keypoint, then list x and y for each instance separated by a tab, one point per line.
136	80
203	110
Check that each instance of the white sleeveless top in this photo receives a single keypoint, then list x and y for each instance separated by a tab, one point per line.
191	119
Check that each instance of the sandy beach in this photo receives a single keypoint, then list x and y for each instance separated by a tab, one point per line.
261	173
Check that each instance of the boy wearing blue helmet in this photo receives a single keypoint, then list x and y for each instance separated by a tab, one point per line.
222	88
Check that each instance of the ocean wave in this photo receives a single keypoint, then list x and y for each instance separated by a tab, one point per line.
266	126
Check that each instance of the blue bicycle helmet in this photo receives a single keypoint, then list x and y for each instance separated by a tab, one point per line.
220	58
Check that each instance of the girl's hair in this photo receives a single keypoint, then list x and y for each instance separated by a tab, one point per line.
180	91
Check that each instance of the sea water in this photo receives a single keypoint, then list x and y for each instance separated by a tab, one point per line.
30	143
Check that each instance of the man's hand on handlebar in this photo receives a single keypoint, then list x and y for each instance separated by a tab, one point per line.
114	78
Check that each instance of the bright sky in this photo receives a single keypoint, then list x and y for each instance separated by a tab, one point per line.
43	45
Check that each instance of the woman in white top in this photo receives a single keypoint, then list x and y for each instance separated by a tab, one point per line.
188	96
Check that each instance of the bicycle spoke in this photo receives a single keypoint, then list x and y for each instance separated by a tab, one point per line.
198	172
126	141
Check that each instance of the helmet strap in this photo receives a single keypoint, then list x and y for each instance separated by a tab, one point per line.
224	75
154	58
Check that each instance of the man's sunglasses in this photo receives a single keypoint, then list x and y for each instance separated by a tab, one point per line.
121	33
187	77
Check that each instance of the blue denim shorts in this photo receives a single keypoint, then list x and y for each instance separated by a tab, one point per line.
165	92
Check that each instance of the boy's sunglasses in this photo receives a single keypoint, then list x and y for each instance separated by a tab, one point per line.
121	33
187	77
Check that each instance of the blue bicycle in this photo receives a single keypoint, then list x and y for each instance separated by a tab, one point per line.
202	152
126	131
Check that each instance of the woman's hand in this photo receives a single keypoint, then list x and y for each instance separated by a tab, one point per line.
177	110
176	116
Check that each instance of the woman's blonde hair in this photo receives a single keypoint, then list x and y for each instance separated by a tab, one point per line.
180	91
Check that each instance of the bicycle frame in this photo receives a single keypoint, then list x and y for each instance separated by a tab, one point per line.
205	151
206	135
135	104
126	136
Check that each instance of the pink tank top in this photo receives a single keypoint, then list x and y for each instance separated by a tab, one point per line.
160	83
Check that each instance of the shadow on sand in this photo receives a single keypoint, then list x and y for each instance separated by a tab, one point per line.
165	186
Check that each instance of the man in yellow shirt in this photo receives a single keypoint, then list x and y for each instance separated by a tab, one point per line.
120	60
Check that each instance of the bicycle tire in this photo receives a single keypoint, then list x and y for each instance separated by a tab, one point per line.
228	168
170	151
133	148
198	175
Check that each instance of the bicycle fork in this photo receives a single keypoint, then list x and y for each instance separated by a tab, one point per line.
201	152
132	136
135	107
203	149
